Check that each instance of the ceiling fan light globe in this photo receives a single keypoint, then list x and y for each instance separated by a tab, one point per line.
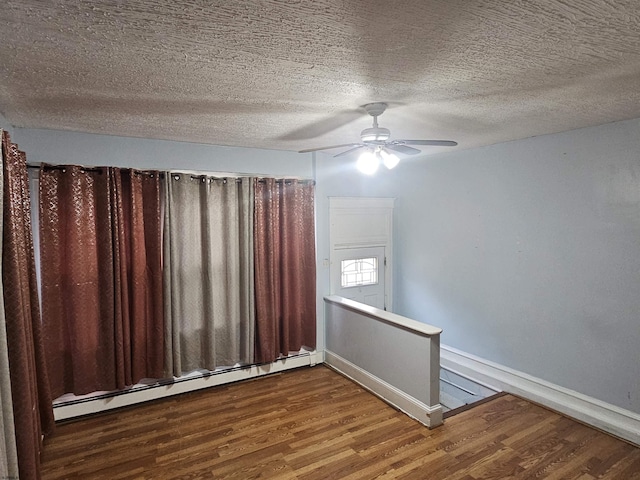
390	160
375	134
368	163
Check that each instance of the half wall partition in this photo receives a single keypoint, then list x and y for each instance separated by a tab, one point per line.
396	358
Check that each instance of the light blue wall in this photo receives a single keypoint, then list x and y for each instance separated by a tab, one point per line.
526	253
4	125
56	146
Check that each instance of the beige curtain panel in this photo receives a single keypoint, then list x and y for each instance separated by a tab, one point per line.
208	272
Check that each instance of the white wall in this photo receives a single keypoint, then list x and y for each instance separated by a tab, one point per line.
526	253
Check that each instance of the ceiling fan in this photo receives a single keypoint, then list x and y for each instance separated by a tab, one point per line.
378	146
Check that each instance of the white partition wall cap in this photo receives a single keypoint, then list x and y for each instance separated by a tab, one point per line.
385	316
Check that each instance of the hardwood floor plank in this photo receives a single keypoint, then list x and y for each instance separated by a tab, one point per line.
437	465
312	423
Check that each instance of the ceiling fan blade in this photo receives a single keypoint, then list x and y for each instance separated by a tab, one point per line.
328	148
433	143
349	151
402	149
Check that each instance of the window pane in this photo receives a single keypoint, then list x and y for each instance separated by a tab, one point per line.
359	271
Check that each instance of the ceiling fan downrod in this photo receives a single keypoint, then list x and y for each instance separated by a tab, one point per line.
375	134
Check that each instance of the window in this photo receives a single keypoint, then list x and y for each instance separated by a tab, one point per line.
358	272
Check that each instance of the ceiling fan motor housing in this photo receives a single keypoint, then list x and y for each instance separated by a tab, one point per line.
375	134
375	109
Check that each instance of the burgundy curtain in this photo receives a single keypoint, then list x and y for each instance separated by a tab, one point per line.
138	272
285	271
101	277
33	414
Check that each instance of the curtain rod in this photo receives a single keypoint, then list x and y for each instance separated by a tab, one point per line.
97	170
63	168
36	166
239	179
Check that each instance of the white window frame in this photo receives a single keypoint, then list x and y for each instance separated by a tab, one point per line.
358	263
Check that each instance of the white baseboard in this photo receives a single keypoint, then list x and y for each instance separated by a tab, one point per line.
97	405
431	416
610	418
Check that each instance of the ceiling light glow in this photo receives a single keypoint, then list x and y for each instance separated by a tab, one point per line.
390	160
368	163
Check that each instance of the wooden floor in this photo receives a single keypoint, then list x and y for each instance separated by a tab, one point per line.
314	424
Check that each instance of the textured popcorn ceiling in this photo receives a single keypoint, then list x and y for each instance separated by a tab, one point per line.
291	74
